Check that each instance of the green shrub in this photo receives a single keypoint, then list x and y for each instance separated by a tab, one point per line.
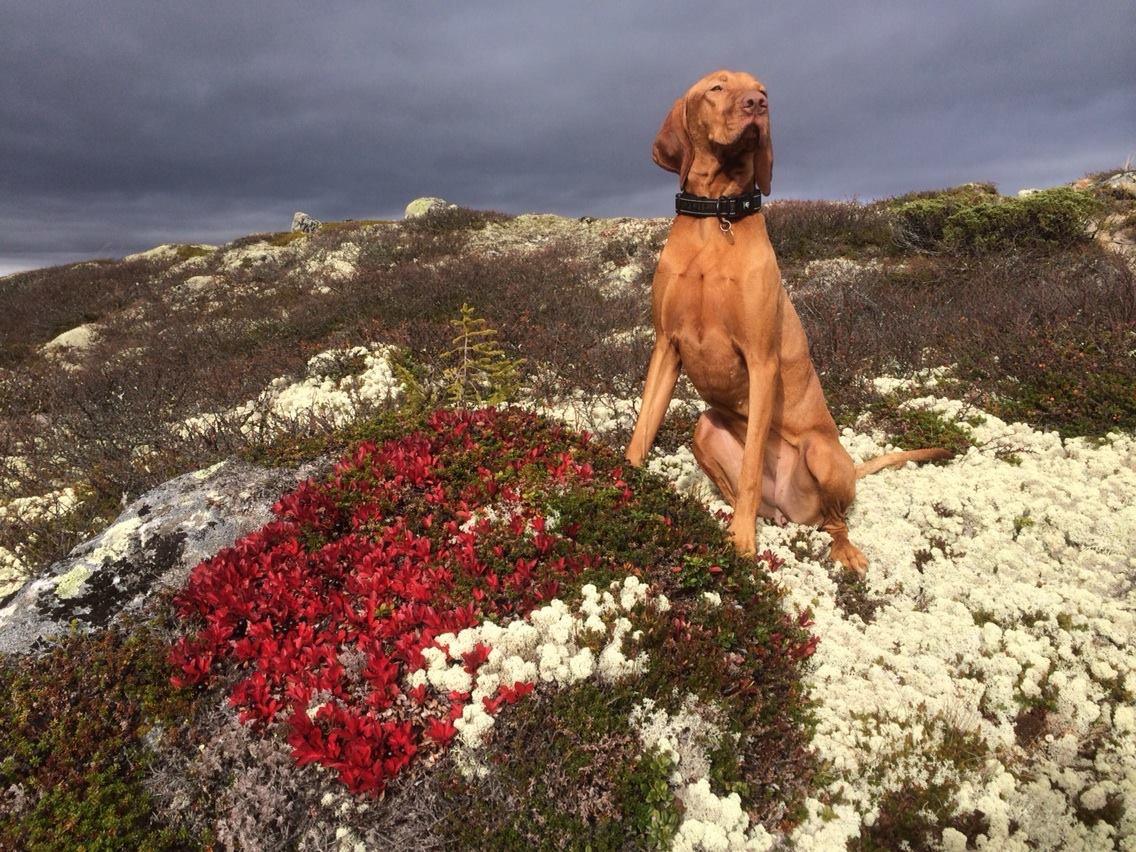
1051	216
920	218
980	223
920	224
475	372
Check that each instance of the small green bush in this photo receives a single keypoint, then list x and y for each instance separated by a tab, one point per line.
475	372
919	218
1051	216
980	223
919	428
920	224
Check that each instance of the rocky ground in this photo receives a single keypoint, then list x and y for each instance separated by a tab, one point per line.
974	691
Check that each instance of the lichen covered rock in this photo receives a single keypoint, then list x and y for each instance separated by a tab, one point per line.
421	206
151	545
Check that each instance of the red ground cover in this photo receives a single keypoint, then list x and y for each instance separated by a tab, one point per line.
330	605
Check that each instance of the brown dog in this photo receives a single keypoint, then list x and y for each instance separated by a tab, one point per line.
767	440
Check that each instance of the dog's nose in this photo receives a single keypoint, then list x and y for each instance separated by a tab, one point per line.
754	101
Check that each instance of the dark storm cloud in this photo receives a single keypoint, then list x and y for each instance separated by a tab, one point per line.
124	124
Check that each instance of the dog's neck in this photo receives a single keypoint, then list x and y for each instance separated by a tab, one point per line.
712	176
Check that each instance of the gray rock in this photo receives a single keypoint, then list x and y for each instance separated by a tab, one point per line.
70	345
422	206
1122	184
152	545
304	222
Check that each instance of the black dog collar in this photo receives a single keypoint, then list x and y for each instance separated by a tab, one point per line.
728	208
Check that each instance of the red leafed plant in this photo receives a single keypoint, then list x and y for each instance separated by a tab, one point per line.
318	616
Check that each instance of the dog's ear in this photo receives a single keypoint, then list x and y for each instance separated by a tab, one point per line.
763	161
673	148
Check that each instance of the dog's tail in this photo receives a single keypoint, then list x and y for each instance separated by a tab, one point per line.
900	458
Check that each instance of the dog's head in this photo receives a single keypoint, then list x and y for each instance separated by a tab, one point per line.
726	115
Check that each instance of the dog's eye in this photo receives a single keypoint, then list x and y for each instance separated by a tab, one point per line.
715	88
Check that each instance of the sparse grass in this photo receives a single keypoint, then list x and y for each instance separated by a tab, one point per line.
36	541
1020	327
289	449
1061	378
450	219
36	306
285	238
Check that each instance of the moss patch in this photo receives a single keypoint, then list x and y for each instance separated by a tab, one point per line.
916	428
72	723
582	772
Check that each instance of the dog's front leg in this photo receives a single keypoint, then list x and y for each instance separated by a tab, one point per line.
762	378
662	373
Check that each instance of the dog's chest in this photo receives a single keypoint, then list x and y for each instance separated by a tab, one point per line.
695	315
700	292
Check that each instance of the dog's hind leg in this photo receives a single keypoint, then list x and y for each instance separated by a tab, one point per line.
719	453
835	475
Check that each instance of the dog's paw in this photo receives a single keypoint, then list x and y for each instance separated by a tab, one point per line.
850	556
744	538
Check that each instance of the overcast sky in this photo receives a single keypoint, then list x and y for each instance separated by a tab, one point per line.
128	123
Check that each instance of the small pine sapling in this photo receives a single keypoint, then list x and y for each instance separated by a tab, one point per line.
480	372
